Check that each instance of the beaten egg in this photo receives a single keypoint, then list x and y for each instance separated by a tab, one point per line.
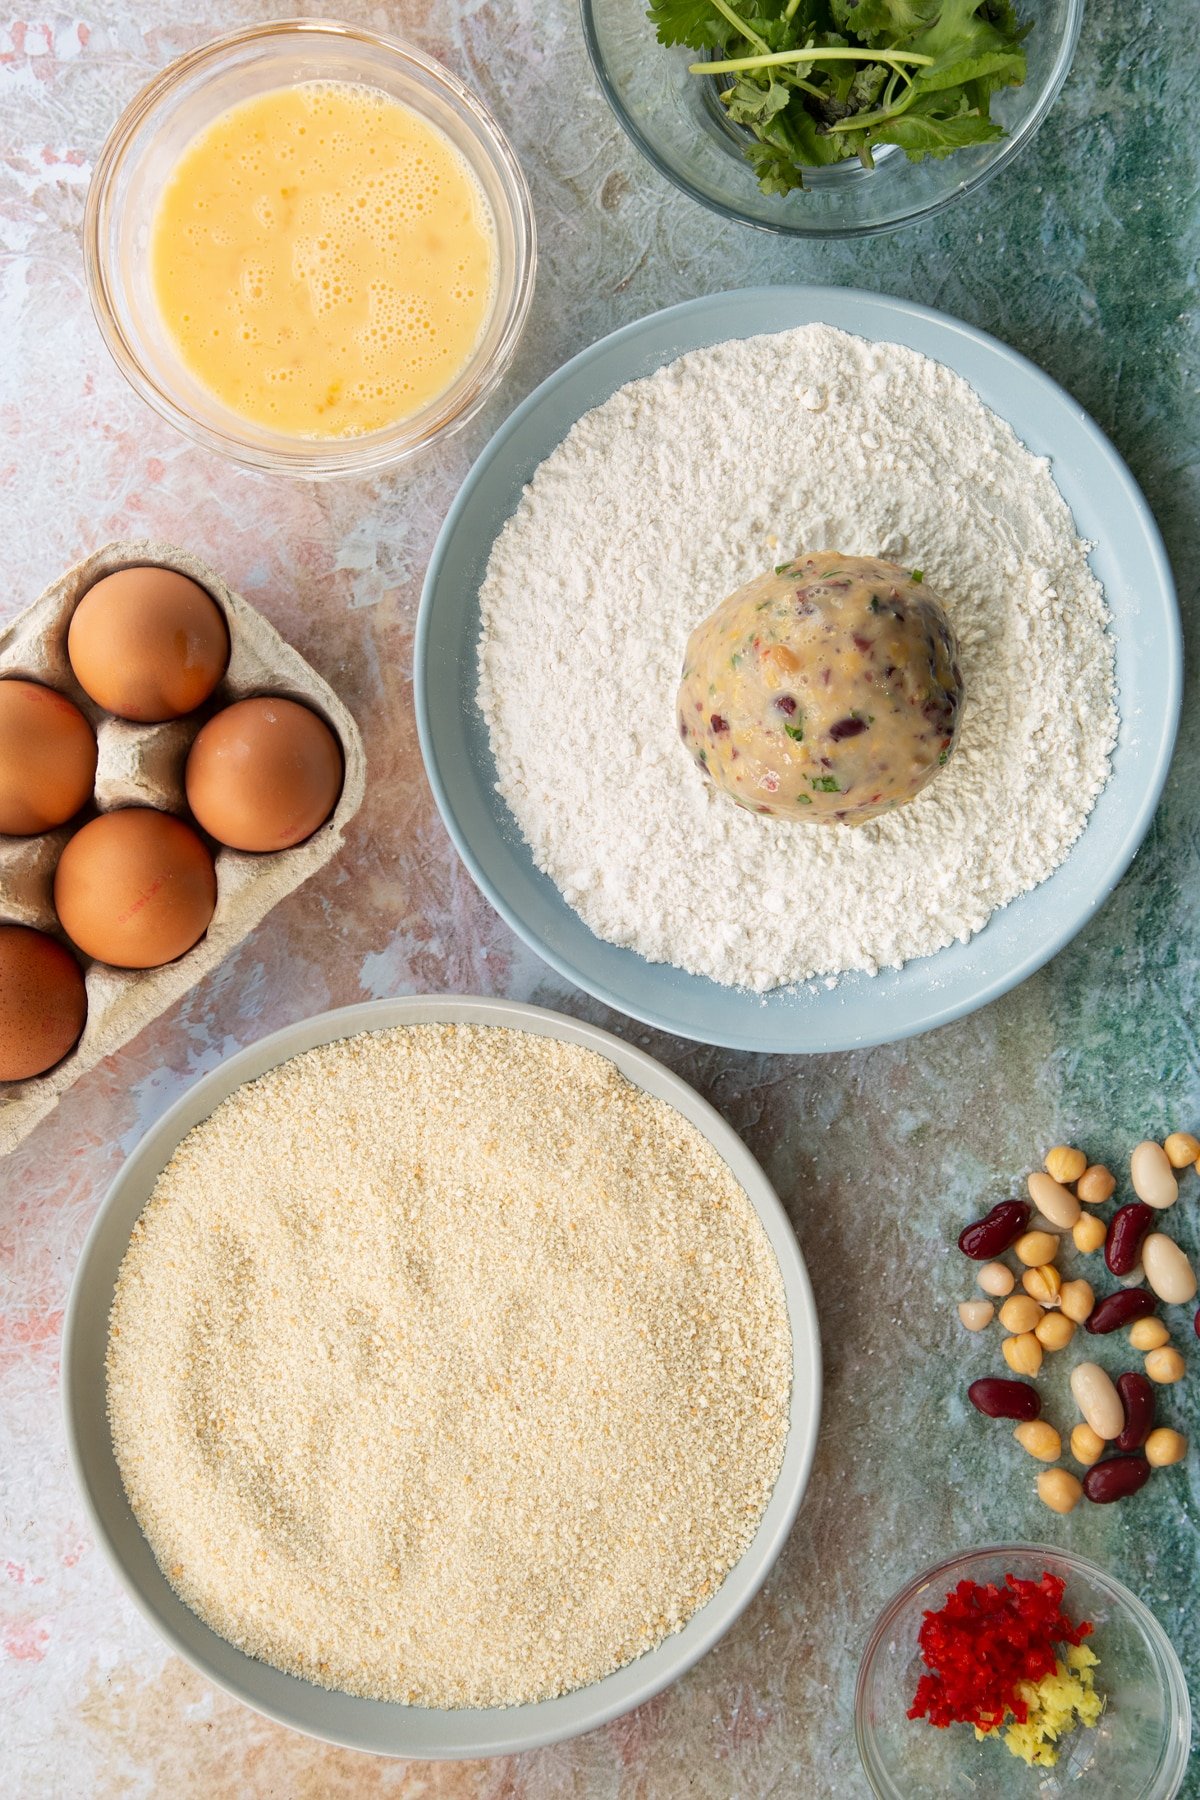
135	888
43	1002
47	758
264	774
148	644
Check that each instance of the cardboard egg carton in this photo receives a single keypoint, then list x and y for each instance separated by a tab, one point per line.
142	765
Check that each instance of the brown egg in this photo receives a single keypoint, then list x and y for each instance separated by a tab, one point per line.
135	888
43	1002
47	758
148	644
263	774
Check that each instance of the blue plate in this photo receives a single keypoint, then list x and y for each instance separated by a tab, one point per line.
1128	559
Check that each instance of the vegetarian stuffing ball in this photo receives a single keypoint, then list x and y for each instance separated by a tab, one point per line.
828	690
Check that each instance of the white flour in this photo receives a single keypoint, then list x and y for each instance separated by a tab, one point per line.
677	490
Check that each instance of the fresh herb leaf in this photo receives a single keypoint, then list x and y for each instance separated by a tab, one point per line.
824	784
917	575
796	732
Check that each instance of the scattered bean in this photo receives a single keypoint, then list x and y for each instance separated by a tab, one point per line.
1041	1440
1120	1309
996	1278
1164	1365
1152	1176
1097	1399
1020	1313
1135	1278
1036	1247
1055	1331
1168	1270
1077	1300
1137	1397
988	1236
1059	1490
1086	1447
1064	1164
1023	1353
1001	1399
1089	1233
1096	1185
1182	1148
1148	1334
1115	1479
1043	1284
1053	1201
976	1315
1126	1229
1164	1447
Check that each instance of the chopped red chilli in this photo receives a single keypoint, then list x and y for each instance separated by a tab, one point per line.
985	1640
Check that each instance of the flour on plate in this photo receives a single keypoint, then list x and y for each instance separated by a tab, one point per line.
677	490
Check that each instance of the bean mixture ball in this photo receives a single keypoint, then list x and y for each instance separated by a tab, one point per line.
828	690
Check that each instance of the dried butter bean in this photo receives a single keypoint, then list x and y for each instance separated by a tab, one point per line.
1000	1399
1023	1353
1059	1490
988	1236
1020	1313
1040	1439
1077	1300
1168	1270
1036	1247
1086	1447
1152	1176
1164	1447
1043	1284
976	1315
1126	1229
1053	1201
1137	1397
1120	1309
1088	1233
1164	1365
1064	1164
1098	1400
997	1279
1115	1479
1096	1185
1148	1334
1181	1148
1054	1331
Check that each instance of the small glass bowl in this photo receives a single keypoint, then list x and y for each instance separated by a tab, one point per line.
1138	1750
139	156
676	120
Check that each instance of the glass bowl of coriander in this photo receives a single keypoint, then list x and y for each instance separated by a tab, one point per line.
830	118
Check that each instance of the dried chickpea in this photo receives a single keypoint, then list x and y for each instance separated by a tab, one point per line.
1055	1331
1037	1247
1087	1446
1019	1314
1089	1233
1043	1284
1164	1447
1064	1164
1040	1439
1181	1148
1023	1353
1077	1300
1164	1365
1059	1490
1096	1185
1148	1334
976	1315
997	1279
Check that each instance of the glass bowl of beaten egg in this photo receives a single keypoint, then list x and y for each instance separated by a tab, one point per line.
310	248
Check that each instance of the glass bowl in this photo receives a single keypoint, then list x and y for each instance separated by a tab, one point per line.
139	156
676	120
1137	1751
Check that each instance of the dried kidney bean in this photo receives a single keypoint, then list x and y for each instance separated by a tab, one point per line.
987	1237
1137	1397
1115	1478
1127	1227
1000	1399
1120	1309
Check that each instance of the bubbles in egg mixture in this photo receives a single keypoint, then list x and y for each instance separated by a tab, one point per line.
324	259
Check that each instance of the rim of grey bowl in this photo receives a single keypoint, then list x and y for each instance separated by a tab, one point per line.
1013	146
511	1729
1075	918
1179	1749
315	459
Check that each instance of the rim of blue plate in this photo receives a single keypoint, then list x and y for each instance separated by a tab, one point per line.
830	305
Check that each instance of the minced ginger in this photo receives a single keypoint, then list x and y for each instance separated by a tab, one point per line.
1056	1704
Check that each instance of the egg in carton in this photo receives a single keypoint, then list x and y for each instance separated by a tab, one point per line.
143	765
